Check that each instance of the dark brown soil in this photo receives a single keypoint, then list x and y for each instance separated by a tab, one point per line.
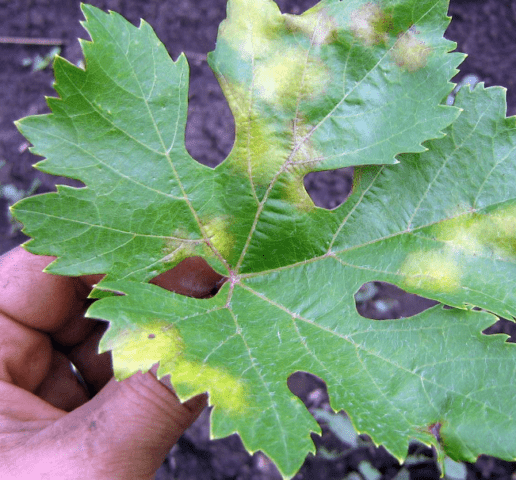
485	30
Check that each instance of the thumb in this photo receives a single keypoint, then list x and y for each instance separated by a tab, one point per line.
126	430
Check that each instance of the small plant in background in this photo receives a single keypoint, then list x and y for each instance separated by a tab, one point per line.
340	425
469	80
433	211
40	63
13	194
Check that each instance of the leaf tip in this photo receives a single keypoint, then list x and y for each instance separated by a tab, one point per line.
87	9
181	58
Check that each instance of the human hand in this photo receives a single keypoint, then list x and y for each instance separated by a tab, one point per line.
50	427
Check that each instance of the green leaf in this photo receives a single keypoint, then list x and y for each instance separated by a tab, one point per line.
339	425
346	83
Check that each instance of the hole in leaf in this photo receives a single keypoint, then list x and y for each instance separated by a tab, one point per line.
338	433
330	188
503	326
286	6
384	301
310	389
193	277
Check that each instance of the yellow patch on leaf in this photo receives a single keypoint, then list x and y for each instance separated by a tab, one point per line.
161	342
226	391
289	77
316	24
156	342
217	231
370	24
251	25
488	235
433	271
409	52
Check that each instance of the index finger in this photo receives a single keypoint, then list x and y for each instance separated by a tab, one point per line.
37	299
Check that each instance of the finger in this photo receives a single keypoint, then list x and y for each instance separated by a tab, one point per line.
96	369
89	281
74	331
34	298
25	354
192	277
19	405
60	387
139	418
22	415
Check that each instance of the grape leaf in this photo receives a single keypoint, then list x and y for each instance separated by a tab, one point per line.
347	83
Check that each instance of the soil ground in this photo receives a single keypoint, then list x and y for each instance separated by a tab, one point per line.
485	30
